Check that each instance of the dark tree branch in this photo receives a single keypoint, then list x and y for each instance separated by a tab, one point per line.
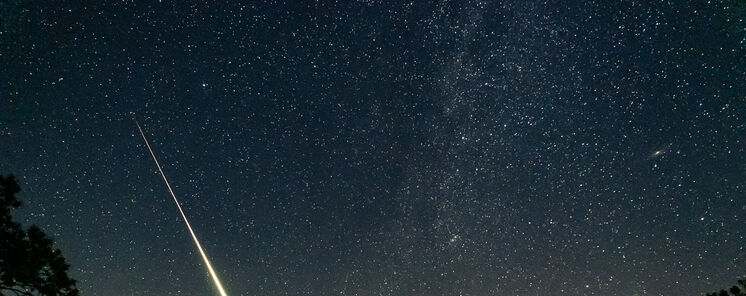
16	291
30	265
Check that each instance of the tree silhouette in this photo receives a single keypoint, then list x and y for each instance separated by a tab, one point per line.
734	291
29	263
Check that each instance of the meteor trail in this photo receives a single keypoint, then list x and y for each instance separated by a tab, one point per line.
196	242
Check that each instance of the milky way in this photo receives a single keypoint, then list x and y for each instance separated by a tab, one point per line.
382	147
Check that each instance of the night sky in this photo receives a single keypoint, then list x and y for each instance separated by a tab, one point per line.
368	148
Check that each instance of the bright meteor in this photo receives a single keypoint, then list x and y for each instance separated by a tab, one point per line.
196	242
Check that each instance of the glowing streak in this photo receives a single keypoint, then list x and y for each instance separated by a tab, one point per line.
196	242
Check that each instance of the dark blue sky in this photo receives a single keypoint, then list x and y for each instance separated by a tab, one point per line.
364	148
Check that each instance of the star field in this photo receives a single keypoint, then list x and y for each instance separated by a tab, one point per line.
382	148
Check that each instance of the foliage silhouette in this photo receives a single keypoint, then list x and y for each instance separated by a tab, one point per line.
734	291
29	262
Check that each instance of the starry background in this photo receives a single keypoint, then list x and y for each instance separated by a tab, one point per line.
368	148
